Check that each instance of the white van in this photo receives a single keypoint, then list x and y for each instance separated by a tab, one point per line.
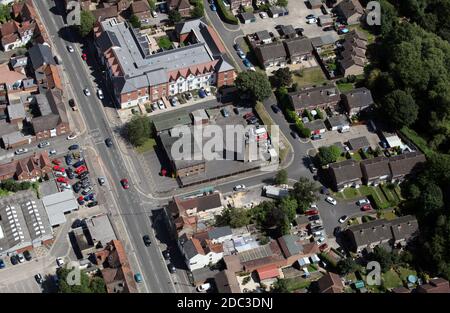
204	287
260	131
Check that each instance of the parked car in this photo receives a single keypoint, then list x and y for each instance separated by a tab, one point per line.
62	180
204	287
166	254
366	207
171	268
147	241
43	144
20	257
100	94
314	218
213	7
79	163
316	137
21	151
263	15
92	204
328	28
83	174
80	169
72	136
124	183
247	63
331	200
68	159
174	101
161	105
343	219
188	95
362	202
58	168
239	187
86	191
101	181
70	49
80	200
202	93
241	54
39	279
336	230
2	264
311	212
323	248
72	105
225	112
76	187
59	261
14	260
320	240
237	47
312	168
52	152
138	277
294	134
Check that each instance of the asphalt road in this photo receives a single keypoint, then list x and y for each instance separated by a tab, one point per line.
135	211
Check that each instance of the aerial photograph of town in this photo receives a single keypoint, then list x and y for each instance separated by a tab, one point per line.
243	147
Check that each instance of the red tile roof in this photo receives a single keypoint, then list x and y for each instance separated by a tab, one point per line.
269	271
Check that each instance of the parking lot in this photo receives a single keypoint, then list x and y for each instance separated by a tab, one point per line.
27	285
297	13
331	137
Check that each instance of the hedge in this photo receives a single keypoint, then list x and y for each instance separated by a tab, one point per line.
226	14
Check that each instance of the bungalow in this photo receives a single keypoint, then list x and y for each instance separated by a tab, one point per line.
345	174
298	49
247	17
311	98
351	11
275	11
338	122
263	36
403	164
358	143
357	100
316	127
375	171
271	55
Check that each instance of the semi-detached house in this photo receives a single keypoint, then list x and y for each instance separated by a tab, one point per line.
138	75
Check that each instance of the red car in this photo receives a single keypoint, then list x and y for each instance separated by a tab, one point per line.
366	207
84	56
58	168
248	115
62	180
56	161
323	247
80	169
80	200
124	183
312	212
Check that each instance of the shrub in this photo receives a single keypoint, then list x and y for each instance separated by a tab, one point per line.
226	14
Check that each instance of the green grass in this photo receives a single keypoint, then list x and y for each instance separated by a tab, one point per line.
147	146
357	156
164	43
351	193
418	140
4	193
405	272
391	279
388	215
297	283
310	76
370	36
344	87
380	201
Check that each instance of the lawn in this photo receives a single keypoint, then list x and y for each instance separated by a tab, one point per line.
377	195
147	146
388	215
3	193
351	193
418	140
391	279
344	87
405	272
356	156
297	283
164	43
310	76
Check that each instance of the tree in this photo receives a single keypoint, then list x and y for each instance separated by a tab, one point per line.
282	177
400	108
383	257
347	266
282	3
152	4
233	217
254	83
304	192
198	10
97	285
431	198
289	207
87	20
5	14
280	286
328	154
135	22
86	285
282	77
174	16
139	129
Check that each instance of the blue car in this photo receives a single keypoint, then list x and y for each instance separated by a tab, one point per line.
247	63
89	197
74	147
213	7
79	163
201	93
138	277
2	264
68	159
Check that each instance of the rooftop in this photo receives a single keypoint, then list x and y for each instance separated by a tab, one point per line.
358	143
57	204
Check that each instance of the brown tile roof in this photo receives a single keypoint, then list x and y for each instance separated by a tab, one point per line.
376	167
350	7
403	164
52	75
268	271
140	6
232	263
313	97
104	13
330	283
435	285
346	171
226	282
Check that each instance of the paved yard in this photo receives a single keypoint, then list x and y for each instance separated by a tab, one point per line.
331	137
27	285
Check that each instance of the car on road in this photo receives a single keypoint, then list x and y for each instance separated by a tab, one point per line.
171	268
39	279
21	151
316	137
43	144
101	181
72	136
362	202
311	212
366	207
92	204
2	264
225	112
213	7
62	180
166	254
59	261
52	152
331	200
337	230
204	287
100	94
138	277
20	257
70	49
241	54
161	105
275	108
343	218
84	56
72	105
124	183
147	241
263	15
86	92
239	187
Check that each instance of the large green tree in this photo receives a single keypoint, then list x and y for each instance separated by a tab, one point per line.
85	285
282	77
281	177
87	20
174	16
346	266
254	83
233	217
135	22
139	129
305	192
328	154
5	13
401	109
384	257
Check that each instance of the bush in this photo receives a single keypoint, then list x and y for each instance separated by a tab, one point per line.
319	115
226	14
246	280
291	116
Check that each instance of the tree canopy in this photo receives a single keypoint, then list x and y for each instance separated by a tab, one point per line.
282	77
254	83
87	285
234	217
87	20
328	154
346	266
174	16
281	177
135	22
139	129
305	192
5	14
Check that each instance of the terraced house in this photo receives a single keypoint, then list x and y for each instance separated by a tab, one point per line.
139	75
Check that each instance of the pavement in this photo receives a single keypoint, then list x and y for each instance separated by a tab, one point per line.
129	208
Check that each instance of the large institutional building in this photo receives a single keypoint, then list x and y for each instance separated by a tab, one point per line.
139	75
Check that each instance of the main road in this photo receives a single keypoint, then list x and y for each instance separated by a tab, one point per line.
135	211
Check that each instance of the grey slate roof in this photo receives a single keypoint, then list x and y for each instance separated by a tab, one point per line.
320	41
350	7
358	98
291	245
315	125
403	164
287	30
16	110
298	46
314	97
218	232
376	167
40	54
346	171
271	51
263	35
189	249
246	16
358	143
338	120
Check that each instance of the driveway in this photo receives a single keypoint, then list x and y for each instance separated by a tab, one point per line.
331	137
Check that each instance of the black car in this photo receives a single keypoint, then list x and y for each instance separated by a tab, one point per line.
275	109
317	228
74	147
171	268
328	28
76	187
236	110
236	46
166	254
336	231
39	278
92	204
70	173
27	255
147	241
108	142
14	260
314	218
83	175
